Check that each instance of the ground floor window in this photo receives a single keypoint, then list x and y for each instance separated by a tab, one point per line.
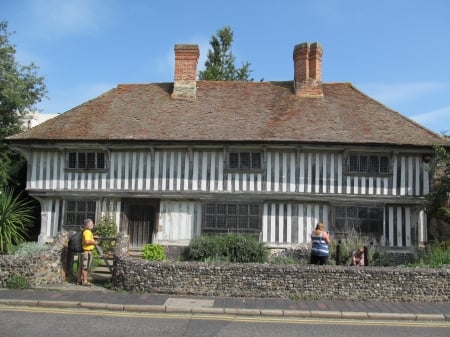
362	219
77	210
231	217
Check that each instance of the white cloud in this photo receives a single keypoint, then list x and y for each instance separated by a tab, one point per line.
400	92
58	18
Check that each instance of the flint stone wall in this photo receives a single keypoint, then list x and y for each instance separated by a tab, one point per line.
40	269
283	281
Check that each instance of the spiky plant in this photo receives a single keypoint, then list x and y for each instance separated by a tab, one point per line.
16	217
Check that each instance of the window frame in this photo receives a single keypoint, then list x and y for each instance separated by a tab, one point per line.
87	160
223	212
363	164
364	225
244	161
79	215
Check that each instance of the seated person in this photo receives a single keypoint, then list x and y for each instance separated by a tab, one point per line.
358	257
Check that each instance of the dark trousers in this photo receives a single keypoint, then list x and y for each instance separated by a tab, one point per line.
320	260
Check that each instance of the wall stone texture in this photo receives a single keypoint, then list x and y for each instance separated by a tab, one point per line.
42	268
391	284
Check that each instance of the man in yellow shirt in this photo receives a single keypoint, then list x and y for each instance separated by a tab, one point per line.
88	243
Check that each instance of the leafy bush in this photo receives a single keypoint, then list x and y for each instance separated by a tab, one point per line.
27	248
229	248
16	281
154	252
16	217
377	254
106	228
436	256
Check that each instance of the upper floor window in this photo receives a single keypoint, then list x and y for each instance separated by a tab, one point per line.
244	161
370	164
86	160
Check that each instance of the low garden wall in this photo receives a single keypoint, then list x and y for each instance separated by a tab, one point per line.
389	284
39	269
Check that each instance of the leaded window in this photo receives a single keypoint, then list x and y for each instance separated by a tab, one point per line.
231	217
86	160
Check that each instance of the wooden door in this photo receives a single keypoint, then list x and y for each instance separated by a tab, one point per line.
140	222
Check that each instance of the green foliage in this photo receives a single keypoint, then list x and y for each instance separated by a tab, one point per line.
230	248
438	255
27	248
281	259
16	281
15	219
153	252
20	89
377	254
106	228
220	63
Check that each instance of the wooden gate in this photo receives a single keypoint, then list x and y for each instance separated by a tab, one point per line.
139	219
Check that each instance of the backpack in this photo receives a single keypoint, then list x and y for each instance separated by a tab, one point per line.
75	242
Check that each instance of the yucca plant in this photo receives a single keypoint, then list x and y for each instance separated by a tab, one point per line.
16	217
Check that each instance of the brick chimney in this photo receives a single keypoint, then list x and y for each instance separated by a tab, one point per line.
308	70
186	58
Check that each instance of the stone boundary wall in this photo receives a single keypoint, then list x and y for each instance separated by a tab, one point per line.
284	281
40	269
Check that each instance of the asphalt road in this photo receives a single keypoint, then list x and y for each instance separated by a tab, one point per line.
24	322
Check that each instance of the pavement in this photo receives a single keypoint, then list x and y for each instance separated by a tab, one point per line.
97	297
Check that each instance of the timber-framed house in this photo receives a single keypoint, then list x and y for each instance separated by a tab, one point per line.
170	161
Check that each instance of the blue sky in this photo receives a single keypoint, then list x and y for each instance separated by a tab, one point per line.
397	52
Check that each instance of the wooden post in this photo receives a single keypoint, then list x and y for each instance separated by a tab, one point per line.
366	256
338	253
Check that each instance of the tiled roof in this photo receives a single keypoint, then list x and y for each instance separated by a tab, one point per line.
234	111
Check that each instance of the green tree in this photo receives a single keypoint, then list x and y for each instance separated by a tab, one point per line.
20	89
220	63
437	200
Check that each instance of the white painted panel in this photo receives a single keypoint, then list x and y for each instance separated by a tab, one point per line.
410	176
399	227
280	223
394	175
220	173
126	178
213	182
292	182
236	182
204	173
265	223
284	177
309	222
317	169
378	186
363	185
324	173
302	173
251	184
269	172
309	178
417	180
340	176
156	172
276	164
172	171
332	174
408	226
259	182
403	176
289	223
163	174
371	188
148	171
272	223
133	171
391	226
244	181
187	163
301	226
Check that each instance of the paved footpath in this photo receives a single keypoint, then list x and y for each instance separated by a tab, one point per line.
102	299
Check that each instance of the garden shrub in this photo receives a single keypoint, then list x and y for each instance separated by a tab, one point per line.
27	248
227	247
377	254
436	256
153	252
16	281
106	228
